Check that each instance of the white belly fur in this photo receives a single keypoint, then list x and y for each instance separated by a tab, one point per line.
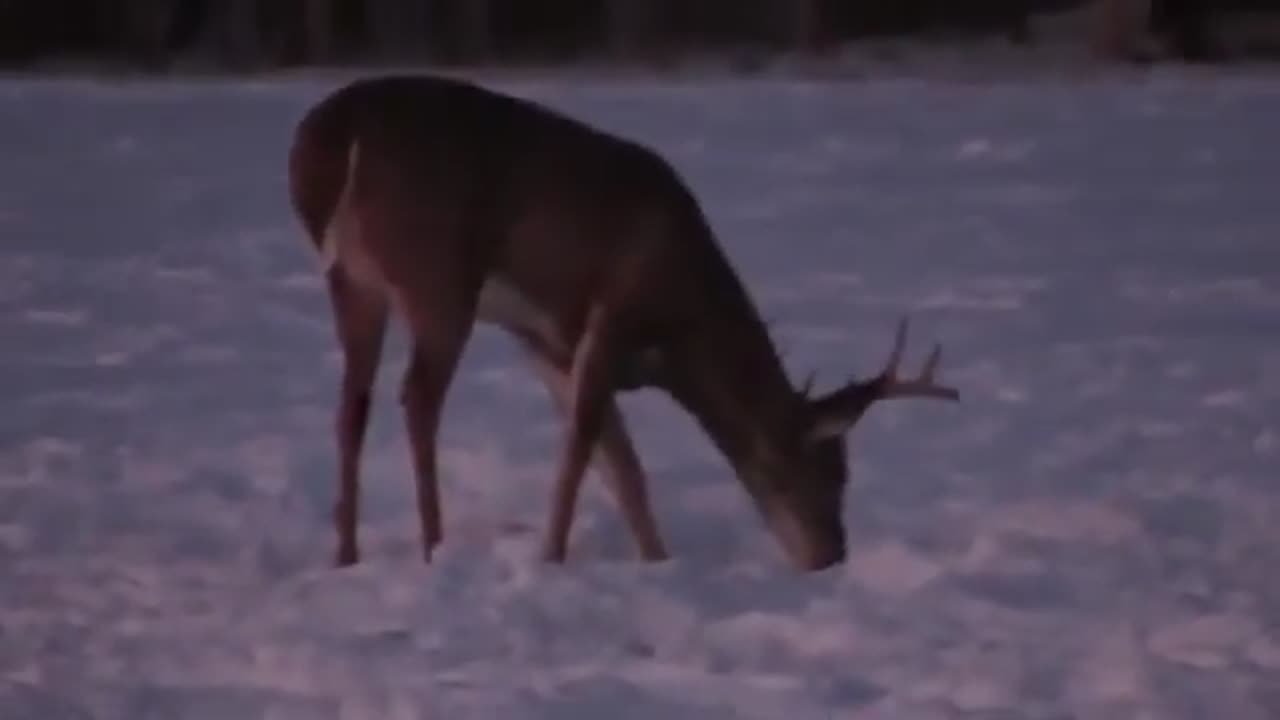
504	306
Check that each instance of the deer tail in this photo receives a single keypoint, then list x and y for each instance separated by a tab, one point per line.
342	221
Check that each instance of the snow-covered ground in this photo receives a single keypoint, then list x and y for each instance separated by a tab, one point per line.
1091	533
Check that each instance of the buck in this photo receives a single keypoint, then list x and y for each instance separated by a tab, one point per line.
451	204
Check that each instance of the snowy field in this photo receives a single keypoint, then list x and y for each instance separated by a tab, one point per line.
1091	533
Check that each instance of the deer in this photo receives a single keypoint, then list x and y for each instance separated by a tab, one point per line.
447	204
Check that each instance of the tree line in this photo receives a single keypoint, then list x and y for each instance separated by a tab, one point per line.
243	34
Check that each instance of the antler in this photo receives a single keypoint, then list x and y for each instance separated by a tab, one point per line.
838	411
924	384
806	388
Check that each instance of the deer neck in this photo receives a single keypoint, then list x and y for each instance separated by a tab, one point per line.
729	377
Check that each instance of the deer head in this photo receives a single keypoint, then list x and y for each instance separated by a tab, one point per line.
797	476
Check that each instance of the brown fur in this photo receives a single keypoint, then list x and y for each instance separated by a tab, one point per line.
459	191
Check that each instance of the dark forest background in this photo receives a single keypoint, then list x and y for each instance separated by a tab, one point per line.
160	35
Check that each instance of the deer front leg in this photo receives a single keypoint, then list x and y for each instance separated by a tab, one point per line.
590	392
616	456
360	315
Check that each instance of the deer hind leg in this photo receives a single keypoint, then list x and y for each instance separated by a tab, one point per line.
440	317
360	314
615	457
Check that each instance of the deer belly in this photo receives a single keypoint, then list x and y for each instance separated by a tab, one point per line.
503	305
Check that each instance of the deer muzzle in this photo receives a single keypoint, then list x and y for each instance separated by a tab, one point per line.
810	547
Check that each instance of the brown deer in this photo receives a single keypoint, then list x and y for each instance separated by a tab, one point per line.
451	203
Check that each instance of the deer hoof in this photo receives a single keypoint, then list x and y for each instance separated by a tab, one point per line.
554	555
346	557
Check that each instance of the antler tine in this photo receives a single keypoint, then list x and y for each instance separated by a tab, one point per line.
931	363
807	387
899	346
923	385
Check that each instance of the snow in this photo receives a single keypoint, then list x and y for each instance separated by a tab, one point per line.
1091	532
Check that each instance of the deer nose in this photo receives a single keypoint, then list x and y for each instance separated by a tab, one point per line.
821	560
820	553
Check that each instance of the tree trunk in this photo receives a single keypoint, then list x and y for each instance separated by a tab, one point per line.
1120	28
229	32
634	29
142	29
319	19
398	28
474	25
1188	24
802	22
